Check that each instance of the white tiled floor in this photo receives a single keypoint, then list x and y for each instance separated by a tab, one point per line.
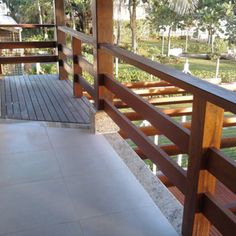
68	182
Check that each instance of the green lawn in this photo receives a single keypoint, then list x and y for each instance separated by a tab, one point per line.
204	69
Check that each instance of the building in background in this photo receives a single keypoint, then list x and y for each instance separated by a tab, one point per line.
8	34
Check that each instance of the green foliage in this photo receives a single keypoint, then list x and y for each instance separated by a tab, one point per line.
220	46
199	48
168	60
49	68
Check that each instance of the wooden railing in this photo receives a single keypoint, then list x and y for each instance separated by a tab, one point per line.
201	139
26	45
79	63
206	162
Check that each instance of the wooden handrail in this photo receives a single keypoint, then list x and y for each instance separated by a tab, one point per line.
81	36
27	26
43	44
210	92
28	59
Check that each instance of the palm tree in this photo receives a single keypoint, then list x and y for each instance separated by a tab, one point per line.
183	7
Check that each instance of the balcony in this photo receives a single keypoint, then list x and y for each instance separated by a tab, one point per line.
74	181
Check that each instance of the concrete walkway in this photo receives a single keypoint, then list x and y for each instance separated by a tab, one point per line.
69	182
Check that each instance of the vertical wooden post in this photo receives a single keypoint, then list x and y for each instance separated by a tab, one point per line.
60	36
77	70
1	70
206	131
102	12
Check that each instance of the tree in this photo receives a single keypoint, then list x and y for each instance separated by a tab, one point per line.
210	15
163	17
231	22
79	13
119	5
133	24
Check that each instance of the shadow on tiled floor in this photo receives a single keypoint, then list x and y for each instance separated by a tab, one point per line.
69	182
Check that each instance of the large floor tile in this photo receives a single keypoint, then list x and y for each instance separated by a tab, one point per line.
64	138
87	161
40	204
143	222
27	167
23	138
67	229
106	192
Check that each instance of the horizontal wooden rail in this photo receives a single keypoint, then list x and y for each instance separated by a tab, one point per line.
28	59
87	87
231	206
27	26
229	121
159	91
12	45
68	68
171	112
171	150
147	84
228	142
67	51
222	168
161	101
210	92
223	219
86	66
169	167
81	36
175	132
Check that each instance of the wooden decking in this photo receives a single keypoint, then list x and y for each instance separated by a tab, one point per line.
41	98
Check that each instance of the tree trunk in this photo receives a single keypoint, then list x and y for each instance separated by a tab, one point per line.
163	43
133	23
212	43
169	41
118	23
41	20
186	42
73	19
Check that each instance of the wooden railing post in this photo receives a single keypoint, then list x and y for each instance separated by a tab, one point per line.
206	131
77	70
60	36
102	11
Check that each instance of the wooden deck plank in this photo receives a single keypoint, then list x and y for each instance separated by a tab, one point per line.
15	100
3	99
54	101
67	100
9	107
22	103
37	108
40	99
76	102
47	100
82	103
62	101
29	104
